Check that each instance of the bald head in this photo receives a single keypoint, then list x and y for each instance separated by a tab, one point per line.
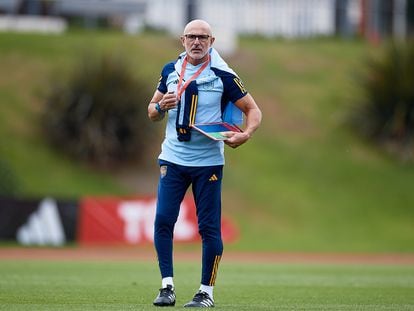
198	26
197	40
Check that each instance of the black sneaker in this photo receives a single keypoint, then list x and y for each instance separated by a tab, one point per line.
166	297
200	300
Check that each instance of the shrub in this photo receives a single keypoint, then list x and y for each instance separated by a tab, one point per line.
9	185
99	114
386	112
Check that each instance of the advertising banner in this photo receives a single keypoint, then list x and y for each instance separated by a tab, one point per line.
38	222
114	220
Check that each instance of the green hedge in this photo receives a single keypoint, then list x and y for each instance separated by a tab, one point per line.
99	113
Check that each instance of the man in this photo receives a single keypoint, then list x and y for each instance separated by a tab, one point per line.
196	88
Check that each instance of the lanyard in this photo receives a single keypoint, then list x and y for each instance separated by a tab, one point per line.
181	88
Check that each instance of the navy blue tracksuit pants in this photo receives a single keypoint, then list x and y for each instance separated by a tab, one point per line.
206	186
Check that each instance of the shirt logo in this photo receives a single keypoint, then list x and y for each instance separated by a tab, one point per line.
206	86
240	84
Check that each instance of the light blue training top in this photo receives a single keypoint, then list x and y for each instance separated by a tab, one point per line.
217	86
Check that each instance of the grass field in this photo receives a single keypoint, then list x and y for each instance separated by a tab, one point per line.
82	285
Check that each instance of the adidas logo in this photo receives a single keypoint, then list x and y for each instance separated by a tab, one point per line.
43	227
207	303
213	178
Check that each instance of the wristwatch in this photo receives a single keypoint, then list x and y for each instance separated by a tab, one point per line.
158	108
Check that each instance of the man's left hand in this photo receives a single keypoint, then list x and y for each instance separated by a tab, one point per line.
236	139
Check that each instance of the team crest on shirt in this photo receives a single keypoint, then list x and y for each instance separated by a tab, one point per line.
163	171
207	86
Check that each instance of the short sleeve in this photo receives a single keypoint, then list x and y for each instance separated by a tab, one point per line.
233	87
162	82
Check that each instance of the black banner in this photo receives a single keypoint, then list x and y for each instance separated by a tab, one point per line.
38	222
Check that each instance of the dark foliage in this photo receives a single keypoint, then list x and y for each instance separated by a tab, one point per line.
9	185
99	115
386	113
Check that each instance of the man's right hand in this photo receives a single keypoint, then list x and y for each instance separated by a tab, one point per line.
169	101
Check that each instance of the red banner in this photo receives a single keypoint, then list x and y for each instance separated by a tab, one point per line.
114	220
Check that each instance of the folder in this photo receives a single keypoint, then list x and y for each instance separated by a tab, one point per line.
215	130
